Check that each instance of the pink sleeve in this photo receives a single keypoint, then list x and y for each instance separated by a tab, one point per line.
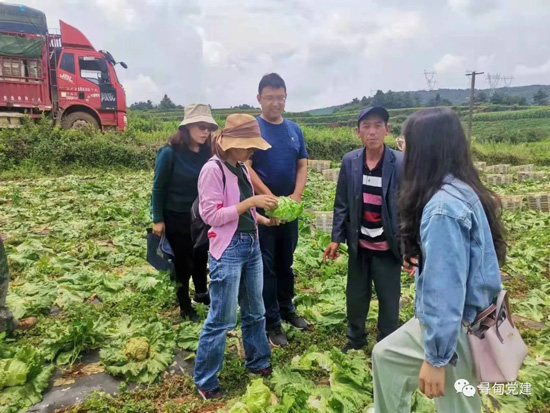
211	198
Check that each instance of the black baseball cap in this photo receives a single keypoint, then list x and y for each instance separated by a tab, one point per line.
374	110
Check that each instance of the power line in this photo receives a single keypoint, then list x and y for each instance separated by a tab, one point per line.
430	79
507	80
493	80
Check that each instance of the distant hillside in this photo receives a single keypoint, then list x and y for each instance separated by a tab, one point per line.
455	96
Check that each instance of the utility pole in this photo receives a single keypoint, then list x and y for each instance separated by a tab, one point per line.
472	96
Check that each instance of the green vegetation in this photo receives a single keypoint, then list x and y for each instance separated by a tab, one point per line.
74	208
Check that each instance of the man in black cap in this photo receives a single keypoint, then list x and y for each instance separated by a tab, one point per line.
365	217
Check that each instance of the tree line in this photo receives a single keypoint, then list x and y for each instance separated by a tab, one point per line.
400	100
390	100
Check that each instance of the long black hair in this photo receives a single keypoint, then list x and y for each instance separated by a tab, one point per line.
435	146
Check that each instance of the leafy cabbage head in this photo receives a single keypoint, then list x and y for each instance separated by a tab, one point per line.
137	348
287	210
14	373
257	396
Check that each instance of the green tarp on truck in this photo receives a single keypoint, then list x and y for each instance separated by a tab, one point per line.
15	46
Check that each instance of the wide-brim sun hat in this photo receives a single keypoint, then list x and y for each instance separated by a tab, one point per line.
196	113
241	132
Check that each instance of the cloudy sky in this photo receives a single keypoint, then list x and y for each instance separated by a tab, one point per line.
328	52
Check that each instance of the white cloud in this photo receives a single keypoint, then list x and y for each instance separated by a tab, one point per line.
328	52
142	88
542	69
473	7
450	63
214	53
394	28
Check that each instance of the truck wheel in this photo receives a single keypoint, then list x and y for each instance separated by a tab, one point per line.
79	120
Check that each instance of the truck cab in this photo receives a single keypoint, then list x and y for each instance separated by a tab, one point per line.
87	84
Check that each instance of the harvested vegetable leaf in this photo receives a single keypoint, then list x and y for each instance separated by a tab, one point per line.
287	210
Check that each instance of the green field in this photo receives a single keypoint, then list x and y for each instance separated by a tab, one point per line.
74	208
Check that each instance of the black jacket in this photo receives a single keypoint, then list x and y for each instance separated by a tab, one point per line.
348	204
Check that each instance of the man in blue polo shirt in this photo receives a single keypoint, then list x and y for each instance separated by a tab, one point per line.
279	171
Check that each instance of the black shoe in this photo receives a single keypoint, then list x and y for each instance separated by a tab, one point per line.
202	298
266	372
276	336
189	313
297	321
211	394
351	346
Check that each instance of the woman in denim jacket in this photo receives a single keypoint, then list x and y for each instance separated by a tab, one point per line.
227	204
451	222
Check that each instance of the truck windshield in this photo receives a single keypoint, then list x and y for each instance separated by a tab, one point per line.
94	69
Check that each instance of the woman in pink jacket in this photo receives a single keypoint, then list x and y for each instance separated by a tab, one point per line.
227	204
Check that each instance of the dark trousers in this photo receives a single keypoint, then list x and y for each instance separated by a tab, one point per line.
278	245
385	271
189	262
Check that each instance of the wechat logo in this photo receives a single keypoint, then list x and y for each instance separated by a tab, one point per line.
464	387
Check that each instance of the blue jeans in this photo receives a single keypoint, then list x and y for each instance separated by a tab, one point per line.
236	276
278	245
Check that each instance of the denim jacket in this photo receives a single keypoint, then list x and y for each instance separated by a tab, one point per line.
460	274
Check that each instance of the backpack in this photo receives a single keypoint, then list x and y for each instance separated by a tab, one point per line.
199	229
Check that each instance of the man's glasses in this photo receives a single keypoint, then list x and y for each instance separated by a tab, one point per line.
279	99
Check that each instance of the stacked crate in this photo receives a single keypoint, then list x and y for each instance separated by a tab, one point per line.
512	202
526	176
539	202
497	169
331	174
523	168
499	179
318	166
480	166
323	221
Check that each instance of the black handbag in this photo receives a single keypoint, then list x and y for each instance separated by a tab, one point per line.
159	252
199	229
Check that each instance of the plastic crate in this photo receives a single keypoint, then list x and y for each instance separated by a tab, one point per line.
499	179
323	221
526	176
539	202
331	174
512	202
318	166
523	168
498	169
480	166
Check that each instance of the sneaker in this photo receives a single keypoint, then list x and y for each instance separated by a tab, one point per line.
276	336
203	298
189	313
297	321
265	372
210	394
351	346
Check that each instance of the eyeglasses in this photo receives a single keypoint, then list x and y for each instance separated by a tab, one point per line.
203	127
280	99
400	141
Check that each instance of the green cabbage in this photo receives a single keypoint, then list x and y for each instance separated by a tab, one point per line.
257	396
287	210
137	349
14	373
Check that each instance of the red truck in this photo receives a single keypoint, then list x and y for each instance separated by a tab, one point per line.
59	75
